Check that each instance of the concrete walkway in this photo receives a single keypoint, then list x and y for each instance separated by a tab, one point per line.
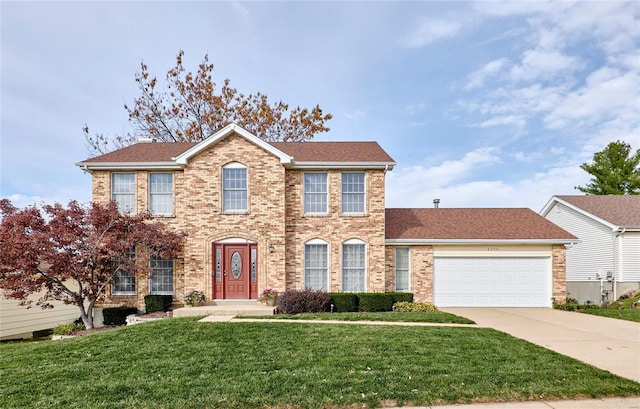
607	343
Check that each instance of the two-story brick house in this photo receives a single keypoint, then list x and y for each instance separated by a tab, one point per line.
292	215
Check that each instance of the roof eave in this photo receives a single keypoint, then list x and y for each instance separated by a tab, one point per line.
547	208
341	165
128	165
407	242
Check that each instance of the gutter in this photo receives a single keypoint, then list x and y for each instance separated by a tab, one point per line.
461	242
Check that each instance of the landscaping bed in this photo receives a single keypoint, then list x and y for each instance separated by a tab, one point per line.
181	363
435	317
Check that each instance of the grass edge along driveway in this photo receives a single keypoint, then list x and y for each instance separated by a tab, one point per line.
180	363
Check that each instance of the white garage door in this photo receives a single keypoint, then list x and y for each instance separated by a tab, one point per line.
492	282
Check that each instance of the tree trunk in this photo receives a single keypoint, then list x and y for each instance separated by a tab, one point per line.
87	318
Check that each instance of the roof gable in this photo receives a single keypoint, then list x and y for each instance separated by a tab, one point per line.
472	225
615	211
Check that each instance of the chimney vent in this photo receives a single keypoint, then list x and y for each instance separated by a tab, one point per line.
436	203
145	140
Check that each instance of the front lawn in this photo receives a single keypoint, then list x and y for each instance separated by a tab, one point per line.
180	363
436	317
629	315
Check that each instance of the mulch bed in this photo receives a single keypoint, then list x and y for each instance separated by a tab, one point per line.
157	314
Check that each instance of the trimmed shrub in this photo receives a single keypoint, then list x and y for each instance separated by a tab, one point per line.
305	301
118	315
402	297
404	306
344	302
375	302
153	303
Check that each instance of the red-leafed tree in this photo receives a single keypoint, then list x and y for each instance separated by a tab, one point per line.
71	254
190	109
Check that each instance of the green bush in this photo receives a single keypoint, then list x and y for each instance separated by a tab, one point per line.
375	302
404	306
305	301
402	297
67	329
153	303
344	302
118	315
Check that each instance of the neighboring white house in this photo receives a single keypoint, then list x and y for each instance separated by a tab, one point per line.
20	322
606	261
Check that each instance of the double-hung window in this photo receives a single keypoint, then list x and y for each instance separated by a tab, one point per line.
315	193
161	280
161	193
234	188
123	191
353	266
124	283
402	269
316	265
353	192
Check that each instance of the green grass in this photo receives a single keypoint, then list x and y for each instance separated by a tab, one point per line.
629	315
436	317
180	363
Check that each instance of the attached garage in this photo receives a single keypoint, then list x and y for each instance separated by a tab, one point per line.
492	281
476	257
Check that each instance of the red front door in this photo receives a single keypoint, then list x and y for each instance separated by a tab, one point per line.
235	271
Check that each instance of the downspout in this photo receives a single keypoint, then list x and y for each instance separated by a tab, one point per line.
617	261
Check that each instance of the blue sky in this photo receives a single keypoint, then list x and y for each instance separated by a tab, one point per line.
481	104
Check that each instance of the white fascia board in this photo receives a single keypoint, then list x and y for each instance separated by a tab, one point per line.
341	165
555	200
407	242
127	165
184	157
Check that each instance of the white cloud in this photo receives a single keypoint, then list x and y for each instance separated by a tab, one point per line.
430	30
541	64
414	109
477	79
515	120
355	115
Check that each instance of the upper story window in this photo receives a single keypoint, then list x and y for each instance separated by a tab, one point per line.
402	268
316	265
315	193
353	192
234	187
123	191
161	193
353	266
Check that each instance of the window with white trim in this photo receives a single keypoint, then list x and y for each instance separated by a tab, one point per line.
402	269
123	191
353	192
161	279
234	187
353	266
316	264
161	193
315	193
124	283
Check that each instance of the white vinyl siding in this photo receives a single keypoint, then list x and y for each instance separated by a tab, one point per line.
316	265
161	193
315	193
630	266
353	192
594	252
492	282
402	269
123	191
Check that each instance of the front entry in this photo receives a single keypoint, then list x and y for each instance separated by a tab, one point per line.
235	270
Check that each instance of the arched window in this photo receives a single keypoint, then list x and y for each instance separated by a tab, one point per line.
234	187
316	265
354	266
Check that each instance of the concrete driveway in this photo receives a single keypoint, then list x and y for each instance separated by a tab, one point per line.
606	343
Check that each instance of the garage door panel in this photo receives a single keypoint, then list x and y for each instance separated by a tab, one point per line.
492	282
